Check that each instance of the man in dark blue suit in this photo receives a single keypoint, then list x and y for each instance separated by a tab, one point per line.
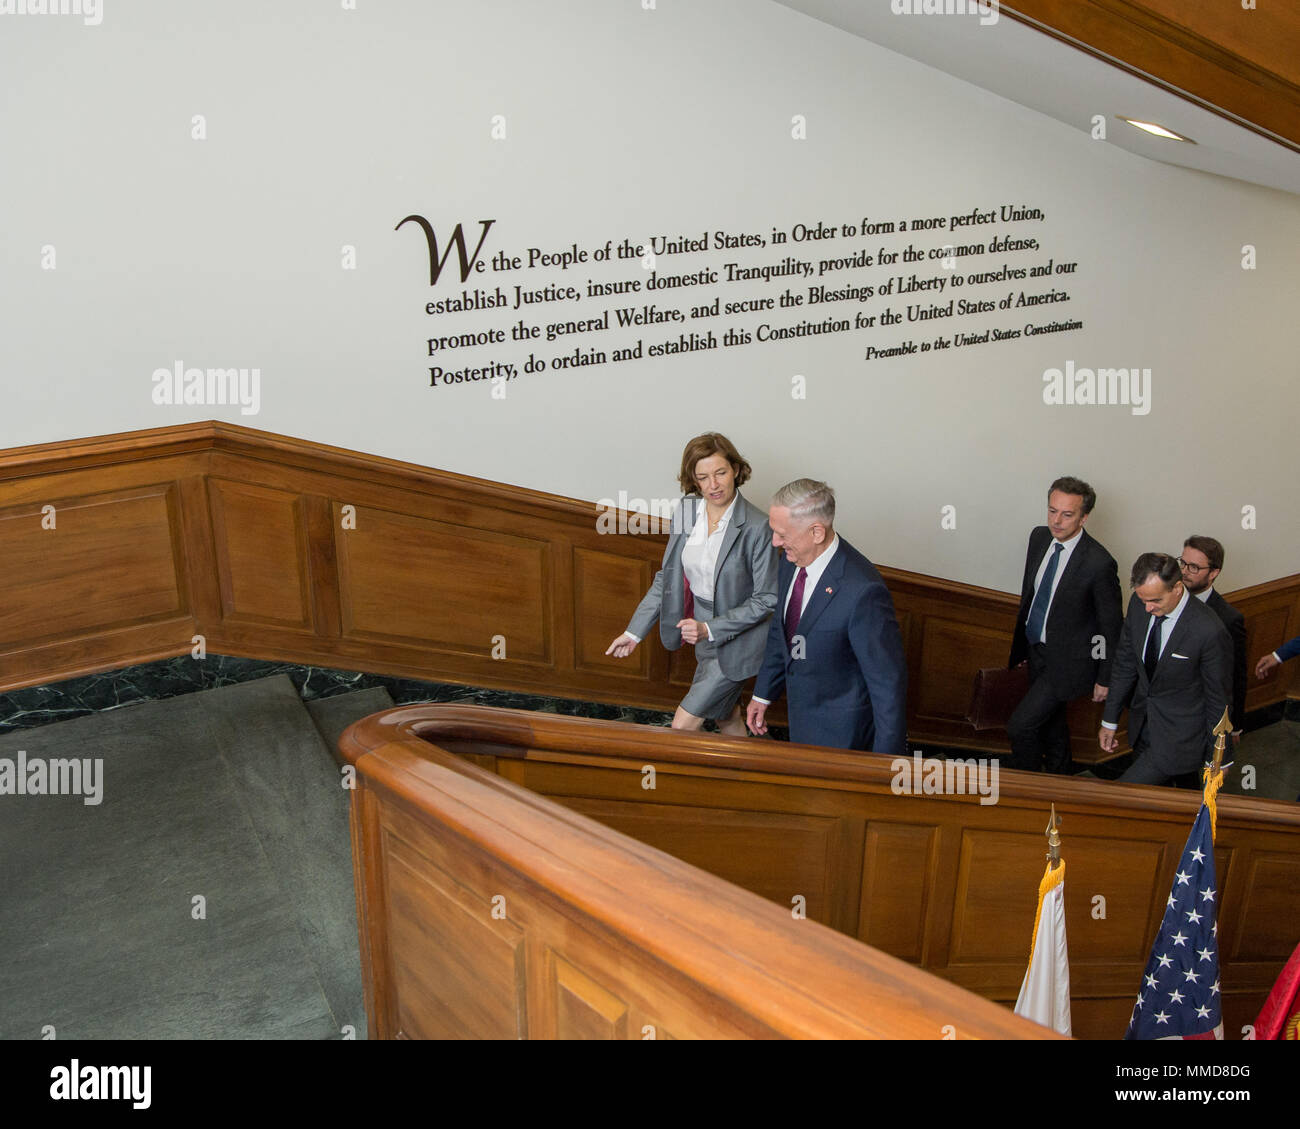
833	647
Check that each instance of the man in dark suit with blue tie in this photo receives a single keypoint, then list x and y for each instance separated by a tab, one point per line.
833	647
1067	627
1173	669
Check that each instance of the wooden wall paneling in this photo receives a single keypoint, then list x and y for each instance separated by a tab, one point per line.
690	955
1265	926
267	520
322	566
480	990
424	583
583	1008
778	856
106	583
951	653
199	547
1272	613
108	562
844	866
606	590
945	882
263	554
365	824
898	874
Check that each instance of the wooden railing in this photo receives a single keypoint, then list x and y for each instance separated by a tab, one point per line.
269	547
487	911
943	882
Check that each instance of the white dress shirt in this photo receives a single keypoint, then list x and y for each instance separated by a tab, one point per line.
700	553
1166	630
1067	547
812	574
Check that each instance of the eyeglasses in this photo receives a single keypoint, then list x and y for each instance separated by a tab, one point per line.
1193	569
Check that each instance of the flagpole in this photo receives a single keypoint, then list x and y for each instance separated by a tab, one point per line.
1213	776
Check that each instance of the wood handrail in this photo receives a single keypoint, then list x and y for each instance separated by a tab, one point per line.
553	733
773	974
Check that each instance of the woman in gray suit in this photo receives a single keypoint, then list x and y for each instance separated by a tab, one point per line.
717	586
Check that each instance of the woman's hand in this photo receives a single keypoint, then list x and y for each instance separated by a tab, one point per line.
623	646
693	630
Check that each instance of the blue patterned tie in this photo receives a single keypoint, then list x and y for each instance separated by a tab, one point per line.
1043	597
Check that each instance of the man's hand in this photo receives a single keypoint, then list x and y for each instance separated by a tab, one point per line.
1108	739
1266	666
623	646
754	717
692	630
1099	692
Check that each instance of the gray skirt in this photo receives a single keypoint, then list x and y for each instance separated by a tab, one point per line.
712	694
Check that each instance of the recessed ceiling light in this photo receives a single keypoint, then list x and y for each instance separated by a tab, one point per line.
1157	130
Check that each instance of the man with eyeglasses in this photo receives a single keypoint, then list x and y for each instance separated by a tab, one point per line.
1201	563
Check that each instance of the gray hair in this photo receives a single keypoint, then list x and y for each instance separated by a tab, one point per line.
807	500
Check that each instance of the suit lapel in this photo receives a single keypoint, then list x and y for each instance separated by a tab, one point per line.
1136	612
729	538
827	586
785	574
1073	565
1036	552
1179	633
677	541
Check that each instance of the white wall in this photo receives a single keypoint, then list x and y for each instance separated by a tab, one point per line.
326	127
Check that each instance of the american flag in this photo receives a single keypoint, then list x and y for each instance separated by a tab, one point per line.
1179	997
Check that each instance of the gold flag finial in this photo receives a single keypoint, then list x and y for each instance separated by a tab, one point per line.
1054	840
1221	732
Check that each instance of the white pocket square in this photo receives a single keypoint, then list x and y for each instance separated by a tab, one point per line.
1178	656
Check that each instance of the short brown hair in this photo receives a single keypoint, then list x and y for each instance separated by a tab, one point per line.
1068	484
1212	549
702	447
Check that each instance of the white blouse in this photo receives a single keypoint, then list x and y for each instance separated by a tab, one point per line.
700	553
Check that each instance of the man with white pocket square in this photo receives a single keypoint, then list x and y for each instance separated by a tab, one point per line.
1173	669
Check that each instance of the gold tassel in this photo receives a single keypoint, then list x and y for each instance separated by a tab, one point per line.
1213	779
1050	879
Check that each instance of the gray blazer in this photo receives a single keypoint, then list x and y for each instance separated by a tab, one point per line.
744	589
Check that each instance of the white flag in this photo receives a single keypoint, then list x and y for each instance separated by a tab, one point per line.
1045	993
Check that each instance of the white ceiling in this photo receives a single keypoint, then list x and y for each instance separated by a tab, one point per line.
1044	74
